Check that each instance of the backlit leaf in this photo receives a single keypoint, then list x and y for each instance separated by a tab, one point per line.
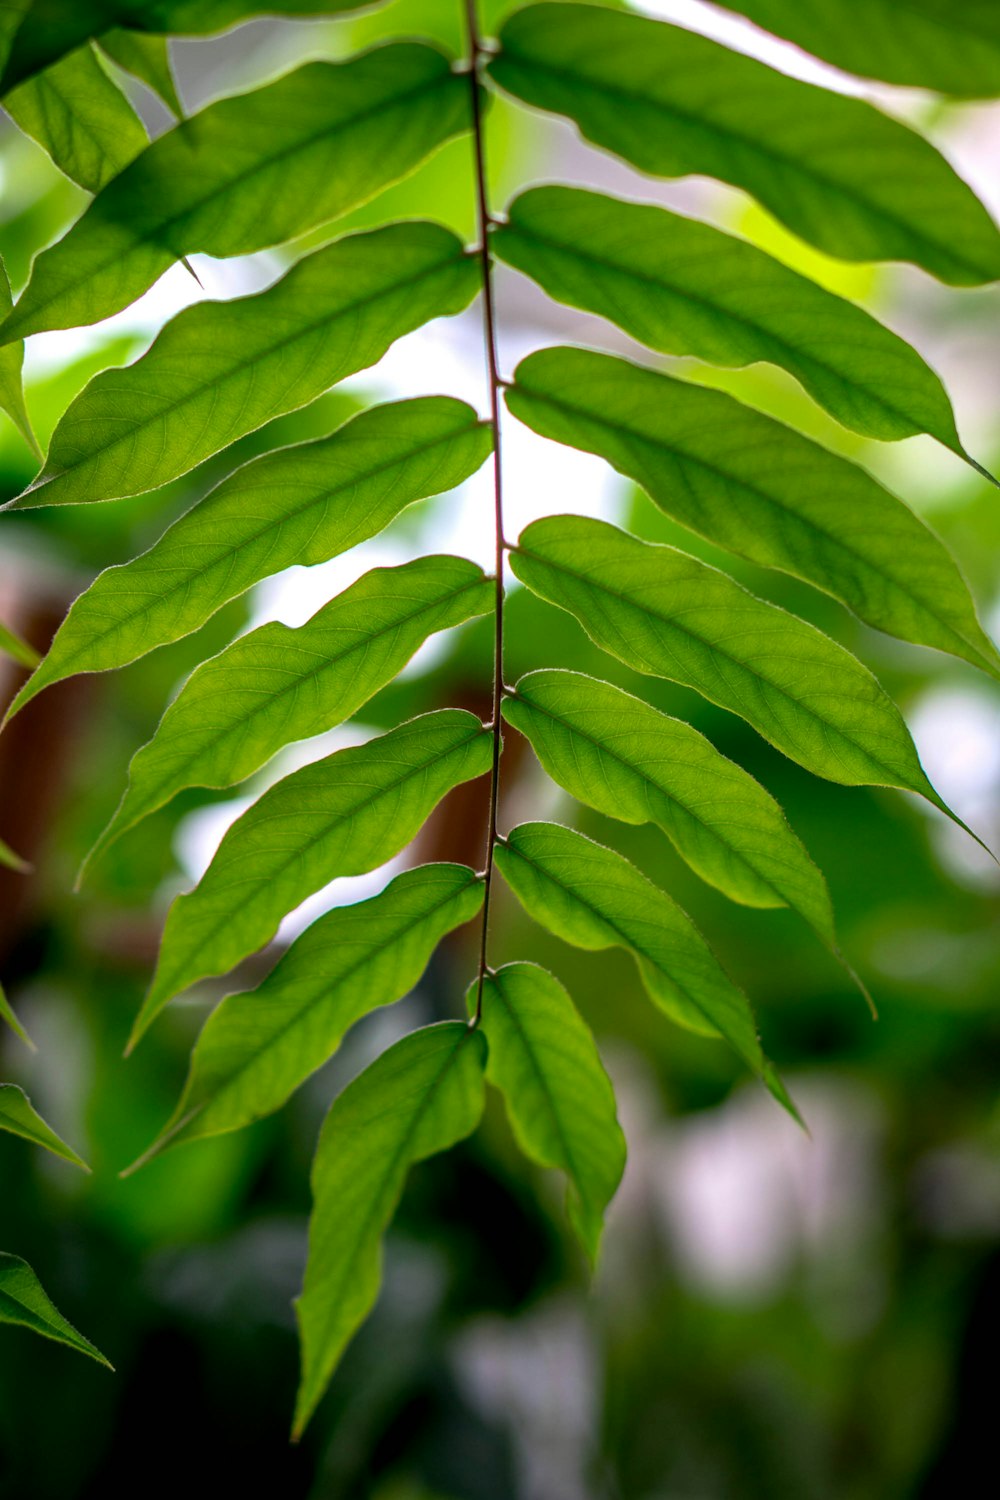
146	58
560	1101
849	179
11	379
18	1116
344	815
23	1300
421	1096
303	504
758	488
222	369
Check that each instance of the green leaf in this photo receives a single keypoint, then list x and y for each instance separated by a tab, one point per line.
757	488
277	685
80	116
222	369
666	614
845	177
23	1300
560	1101
11	379
257	1047
682	287
420	1097
12	861
146	58
17	649
302	505
344	815
928	44
594	898
6	1013
618	755
248	172
19	1118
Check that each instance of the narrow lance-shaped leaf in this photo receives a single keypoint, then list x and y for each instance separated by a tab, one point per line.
626	759
682	287
24	1301
78	114
245	173
258	1046
18	1116
6	1012
146	58
421	1096
17	649
222	369
594	898
300	505
277	685
344	815
927	44
849	179
669	615
542	1058
11	377
11	860
760	489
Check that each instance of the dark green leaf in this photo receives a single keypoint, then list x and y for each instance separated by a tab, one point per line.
19	1118
299	505
420	1097
23	1301
625	759
222	369
949	45
594	898
245	173
146	58
668	615
257	1047
80	116
560	1101
759	489
839	173
685	288
343	815
277	685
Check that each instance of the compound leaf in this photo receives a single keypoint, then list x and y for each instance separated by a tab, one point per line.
543	1059
258	1046
759	489
343	815
24	1301
304	505
245	173
421	1096
222	369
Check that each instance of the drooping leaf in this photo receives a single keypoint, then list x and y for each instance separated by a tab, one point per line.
542	1058
222	369
277	685
258	1046
622	757
929	44
594	898
849	179
11	378
303	504
669	615
19	1118
248	172
343	815
146	58
17	649
34	33
6	1013
23	1300
78	114
756	487
683	287
421	1096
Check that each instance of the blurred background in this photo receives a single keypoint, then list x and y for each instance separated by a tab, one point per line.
774	1315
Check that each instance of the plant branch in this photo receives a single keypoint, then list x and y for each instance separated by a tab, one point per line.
477	51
